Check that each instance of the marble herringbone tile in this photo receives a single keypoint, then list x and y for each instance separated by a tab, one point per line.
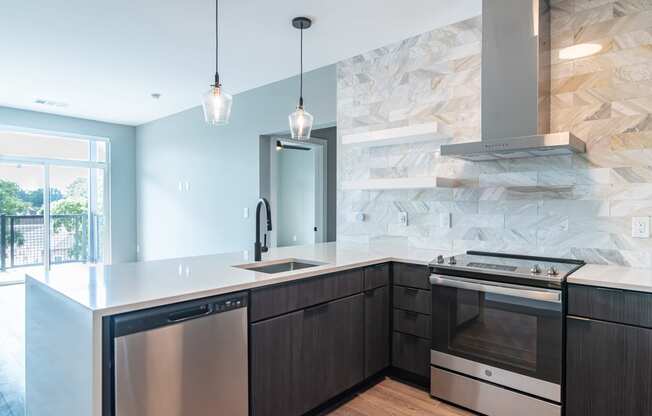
633	107
635	140
627	7
613	27
578	205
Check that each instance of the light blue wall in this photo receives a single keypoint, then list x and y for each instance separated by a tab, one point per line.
220	165
295	194
123	150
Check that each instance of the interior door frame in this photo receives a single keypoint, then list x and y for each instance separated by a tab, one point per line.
320	147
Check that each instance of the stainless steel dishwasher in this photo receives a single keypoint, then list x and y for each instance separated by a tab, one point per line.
187	359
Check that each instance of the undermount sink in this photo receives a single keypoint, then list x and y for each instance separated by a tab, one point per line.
280	266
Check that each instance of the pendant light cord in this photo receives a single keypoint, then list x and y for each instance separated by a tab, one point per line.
217	44
301	71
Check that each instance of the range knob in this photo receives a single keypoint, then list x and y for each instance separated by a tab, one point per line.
452	260
440	259
535	269
552	271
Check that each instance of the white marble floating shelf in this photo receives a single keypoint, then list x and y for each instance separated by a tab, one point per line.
398	135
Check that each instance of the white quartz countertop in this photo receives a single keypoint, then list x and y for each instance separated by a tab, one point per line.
617	277
119	288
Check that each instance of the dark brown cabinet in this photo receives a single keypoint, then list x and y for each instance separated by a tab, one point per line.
316	338
276	365
412	305
411	299
376	276
302	359
376	330
411	275
614	305
411	354
339	335
608	352
608	369
332	350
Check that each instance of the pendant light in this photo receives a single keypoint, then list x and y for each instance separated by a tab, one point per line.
217	103
301	120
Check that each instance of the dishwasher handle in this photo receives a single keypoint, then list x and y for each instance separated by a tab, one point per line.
190	313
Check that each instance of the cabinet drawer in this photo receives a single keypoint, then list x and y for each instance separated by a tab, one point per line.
277	300
412	299
411	275
615	305
412	323
411	353
376	276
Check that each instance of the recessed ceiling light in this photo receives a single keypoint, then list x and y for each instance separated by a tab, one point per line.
51	103
579	51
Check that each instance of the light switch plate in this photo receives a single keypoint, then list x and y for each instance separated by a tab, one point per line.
641	227
245	213
403	218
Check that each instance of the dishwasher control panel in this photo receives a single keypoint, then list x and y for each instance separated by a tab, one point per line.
230	302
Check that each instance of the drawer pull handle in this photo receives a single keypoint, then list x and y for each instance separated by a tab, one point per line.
411	291
411	314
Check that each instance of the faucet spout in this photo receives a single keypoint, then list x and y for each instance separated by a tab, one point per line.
260	248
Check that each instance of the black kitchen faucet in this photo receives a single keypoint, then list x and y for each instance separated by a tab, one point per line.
258	247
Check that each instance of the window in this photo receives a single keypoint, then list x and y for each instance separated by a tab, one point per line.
54	201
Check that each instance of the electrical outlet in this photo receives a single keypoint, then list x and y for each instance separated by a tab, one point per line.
641	227
403	218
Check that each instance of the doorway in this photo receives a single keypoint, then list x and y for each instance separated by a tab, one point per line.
298	178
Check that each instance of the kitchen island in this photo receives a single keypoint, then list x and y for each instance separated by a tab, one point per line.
345	313
65	308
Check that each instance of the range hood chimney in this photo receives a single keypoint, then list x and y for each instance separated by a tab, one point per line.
515	86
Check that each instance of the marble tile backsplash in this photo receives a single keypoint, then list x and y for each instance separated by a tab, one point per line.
575	206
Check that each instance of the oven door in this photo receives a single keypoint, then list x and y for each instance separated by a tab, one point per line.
506	334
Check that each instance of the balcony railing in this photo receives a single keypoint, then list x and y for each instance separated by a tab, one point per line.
22	239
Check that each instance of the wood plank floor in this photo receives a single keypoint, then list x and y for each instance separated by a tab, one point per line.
391	398
12	347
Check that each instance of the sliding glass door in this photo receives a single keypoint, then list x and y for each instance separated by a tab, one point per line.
22	231
54	206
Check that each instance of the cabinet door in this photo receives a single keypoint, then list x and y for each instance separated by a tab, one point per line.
276	367
376	330
332	350
608	369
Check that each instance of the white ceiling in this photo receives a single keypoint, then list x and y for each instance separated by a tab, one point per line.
105	58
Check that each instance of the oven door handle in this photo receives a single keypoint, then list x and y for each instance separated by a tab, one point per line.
552	296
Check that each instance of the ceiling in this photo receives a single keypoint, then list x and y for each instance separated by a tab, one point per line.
105	58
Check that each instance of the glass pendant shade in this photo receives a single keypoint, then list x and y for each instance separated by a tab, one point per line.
301	124
217	106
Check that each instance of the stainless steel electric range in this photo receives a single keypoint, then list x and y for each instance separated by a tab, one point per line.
497	332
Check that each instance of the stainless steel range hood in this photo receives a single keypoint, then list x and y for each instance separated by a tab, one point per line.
515	86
